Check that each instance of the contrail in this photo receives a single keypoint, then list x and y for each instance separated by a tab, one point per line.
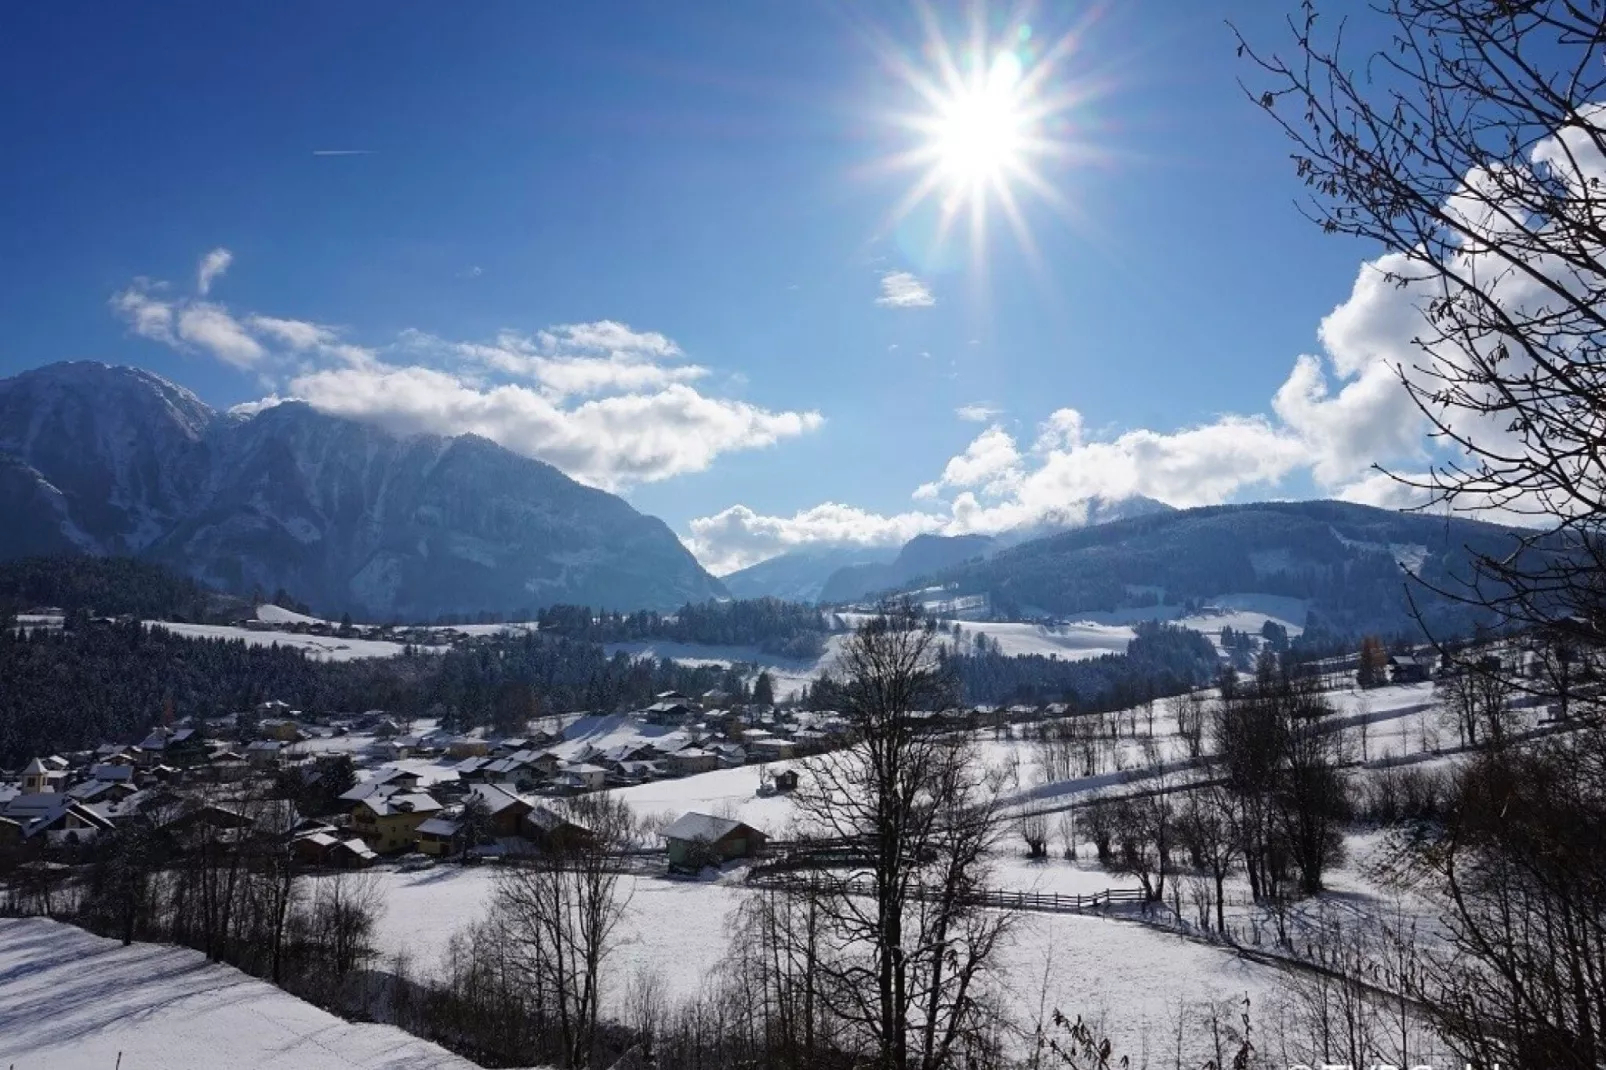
342	152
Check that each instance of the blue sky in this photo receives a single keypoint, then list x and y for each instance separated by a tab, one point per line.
653	244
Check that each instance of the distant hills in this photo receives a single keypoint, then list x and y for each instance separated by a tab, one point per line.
848	574
106	460
1348	562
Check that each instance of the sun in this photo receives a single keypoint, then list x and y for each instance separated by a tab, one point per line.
998	119
981	134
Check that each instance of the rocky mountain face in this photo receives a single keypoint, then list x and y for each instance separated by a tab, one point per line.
108	460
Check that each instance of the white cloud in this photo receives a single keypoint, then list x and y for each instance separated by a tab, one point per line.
299	335
978	414
901	289
213	265
210	327
608	442
606	403
738	537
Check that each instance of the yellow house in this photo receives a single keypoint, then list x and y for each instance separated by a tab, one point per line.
283	731
389	822
468	747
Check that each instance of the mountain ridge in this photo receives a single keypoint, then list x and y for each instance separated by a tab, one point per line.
104	459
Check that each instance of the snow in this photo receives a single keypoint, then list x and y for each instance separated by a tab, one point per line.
1071	642
790	675
722	793
321	647
487	629
678	930
272	614
70	1000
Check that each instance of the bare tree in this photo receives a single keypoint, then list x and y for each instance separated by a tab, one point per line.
1033	826
558	915
911	950
1471	147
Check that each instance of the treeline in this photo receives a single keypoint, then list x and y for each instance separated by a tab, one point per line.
96	681
1163	659
110	586
787	629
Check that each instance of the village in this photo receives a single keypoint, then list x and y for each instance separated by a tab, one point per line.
414	788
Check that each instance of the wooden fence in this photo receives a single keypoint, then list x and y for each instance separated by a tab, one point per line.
996	898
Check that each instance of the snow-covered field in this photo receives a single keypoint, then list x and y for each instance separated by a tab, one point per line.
73	1001
1133	976
724	793
322	647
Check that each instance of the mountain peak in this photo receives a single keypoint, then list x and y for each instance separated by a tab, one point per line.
114	460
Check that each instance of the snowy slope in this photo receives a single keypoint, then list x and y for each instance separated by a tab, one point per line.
321	647
73	1001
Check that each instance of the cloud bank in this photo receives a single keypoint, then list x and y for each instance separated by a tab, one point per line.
610	405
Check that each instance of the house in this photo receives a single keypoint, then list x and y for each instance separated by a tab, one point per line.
695	840
550	830
327	848
387	780
264	752
668	713
389	821
772	748
506	807
282	730
689	760
440	836
584	776
1408	669
52	816
467	747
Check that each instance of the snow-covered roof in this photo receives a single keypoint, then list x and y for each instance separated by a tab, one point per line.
416	802
498	798
440	826
703	827
34	768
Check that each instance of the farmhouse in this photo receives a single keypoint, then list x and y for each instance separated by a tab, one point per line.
694	840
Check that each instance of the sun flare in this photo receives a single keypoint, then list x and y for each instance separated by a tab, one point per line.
980	134
997	120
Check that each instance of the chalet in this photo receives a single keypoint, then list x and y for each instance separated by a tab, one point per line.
180	745
112	774
52	817
328	848
1408	669
264	752
691	760
772	748
387	780
389	821
667	713
695	840
506	807
637	772
586	776
730	755
441	836
284	731
550	830
467	747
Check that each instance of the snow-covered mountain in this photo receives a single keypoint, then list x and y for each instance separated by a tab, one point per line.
844	574
110	460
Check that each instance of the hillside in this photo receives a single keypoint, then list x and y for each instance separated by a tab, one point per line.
70	1000
105	460
1349	563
